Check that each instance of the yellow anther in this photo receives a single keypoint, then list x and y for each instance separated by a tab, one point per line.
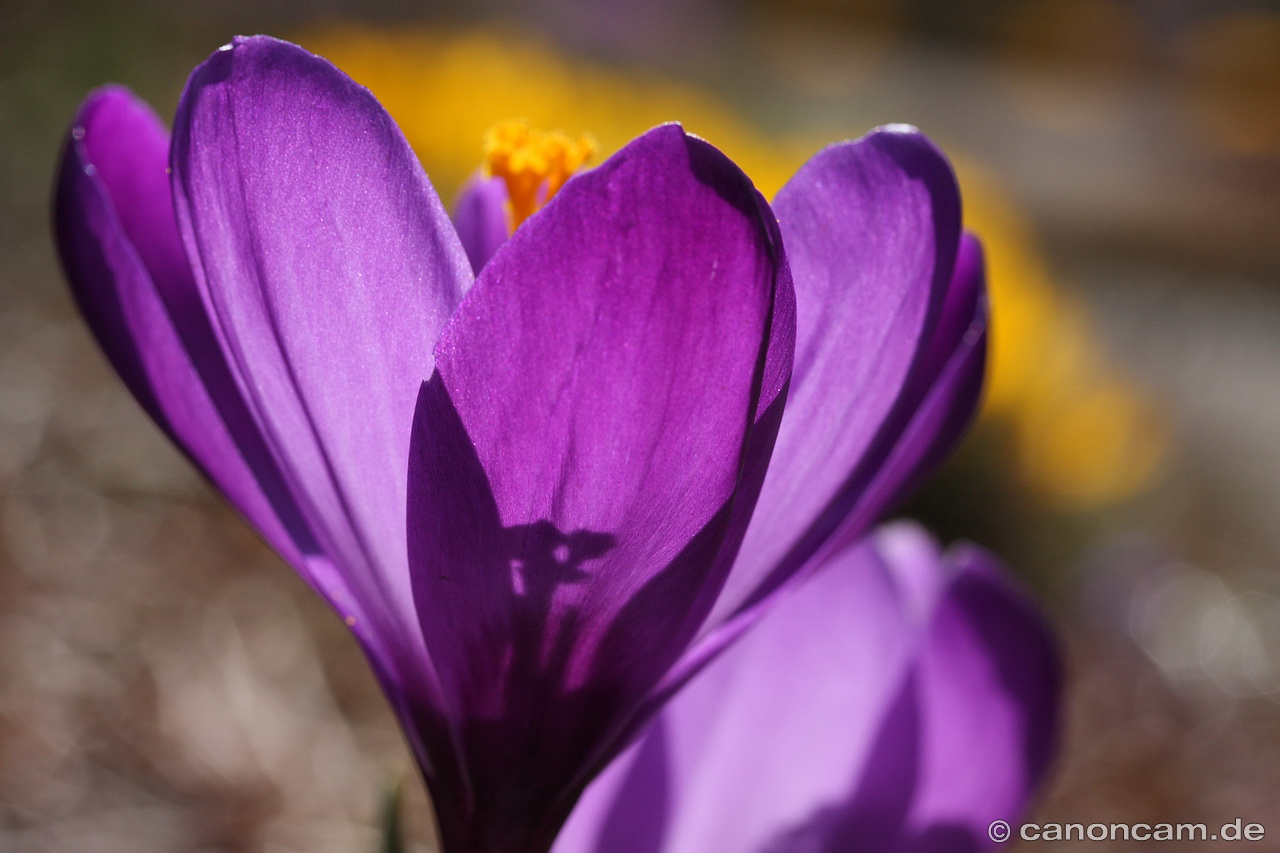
534	163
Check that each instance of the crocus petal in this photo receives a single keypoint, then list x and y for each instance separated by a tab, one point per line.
576	462
871	229
116	150
954	368
328	267
899	701
128	271
964	308
990	682
944	391
480	215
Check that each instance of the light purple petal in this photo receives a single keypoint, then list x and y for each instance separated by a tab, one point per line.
990	682
898	701
480	215
779	722
328	267
871	229
576	463
121	248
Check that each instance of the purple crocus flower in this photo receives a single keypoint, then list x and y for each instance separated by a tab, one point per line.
901	701
660	402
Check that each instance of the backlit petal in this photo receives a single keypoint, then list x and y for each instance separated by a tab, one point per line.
577	459
871	230
328	266
129	273
943	397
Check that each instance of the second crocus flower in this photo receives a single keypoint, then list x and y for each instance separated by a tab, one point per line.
904	700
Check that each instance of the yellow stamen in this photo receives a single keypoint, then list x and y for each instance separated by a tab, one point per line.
534	163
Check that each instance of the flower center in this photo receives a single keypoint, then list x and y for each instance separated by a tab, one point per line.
534	164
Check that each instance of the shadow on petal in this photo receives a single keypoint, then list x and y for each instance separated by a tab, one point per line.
871	820
531	703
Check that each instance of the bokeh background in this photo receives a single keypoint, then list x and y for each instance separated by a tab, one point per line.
167	685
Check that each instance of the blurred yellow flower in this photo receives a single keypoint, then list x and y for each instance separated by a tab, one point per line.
446	90
1082	436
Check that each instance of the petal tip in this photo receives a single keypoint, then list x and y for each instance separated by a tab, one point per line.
108	96
904	532
906	137
107	113
253	49
667	133
898	129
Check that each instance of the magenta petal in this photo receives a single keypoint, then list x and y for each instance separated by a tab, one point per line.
899	701
480	216
577	462
871	229
328	266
